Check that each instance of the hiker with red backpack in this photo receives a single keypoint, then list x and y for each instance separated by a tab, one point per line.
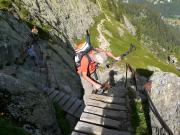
87	58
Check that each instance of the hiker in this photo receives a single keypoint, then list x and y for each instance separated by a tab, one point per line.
87	59
34	30
34	34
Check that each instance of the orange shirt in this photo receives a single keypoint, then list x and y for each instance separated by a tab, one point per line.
86	66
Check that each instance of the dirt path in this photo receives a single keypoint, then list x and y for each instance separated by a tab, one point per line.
104	44
107	17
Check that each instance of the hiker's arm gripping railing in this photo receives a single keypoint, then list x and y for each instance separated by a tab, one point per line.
151	104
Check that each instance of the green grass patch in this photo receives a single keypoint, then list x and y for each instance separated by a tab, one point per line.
5	4
8	128
141	58
62	122
139	115
24	13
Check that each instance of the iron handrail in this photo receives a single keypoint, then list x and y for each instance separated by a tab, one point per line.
152	106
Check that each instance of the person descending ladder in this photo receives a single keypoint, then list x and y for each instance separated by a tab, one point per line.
87	58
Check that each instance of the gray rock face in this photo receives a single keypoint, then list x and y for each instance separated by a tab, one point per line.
12	37
70	17
165	94
29	106
34	108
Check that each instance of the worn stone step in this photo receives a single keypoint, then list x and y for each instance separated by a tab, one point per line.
88	128
99	120
105	105
75	106
59	96
77	133
68	104
107	99
63	100
53	94
105	112
79	111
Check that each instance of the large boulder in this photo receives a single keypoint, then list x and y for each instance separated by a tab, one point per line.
27	106
165	94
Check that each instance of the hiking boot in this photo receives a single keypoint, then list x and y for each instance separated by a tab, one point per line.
100	91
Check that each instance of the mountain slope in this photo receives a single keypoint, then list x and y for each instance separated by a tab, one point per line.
120	37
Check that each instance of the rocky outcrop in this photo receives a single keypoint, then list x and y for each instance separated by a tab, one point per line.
165	94
27	106
15	34
55	68
70	17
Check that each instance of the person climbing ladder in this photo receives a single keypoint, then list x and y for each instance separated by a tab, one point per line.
87	59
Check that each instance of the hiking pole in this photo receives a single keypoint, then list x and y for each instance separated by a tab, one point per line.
131	48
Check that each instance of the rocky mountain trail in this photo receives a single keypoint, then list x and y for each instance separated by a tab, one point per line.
106	114
102	11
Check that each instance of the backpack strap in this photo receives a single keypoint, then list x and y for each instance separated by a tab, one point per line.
88	57
89	60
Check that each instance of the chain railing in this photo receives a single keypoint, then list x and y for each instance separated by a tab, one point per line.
151	104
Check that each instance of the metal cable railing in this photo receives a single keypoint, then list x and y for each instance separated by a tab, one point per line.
151	104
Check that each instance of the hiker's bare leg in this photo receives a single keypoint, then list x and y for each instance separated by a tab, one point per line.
88	88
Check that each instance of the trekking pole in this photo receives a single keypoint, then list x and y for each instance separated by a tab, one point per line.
131	48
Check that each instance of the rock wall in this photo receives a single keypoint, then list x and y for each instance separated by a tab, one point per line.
165	94
27	104
14	36
70	17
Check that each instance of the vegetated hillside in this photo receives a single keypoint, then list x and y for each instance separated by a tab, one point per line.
168	8
166	24
149	24
118	33
152	47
